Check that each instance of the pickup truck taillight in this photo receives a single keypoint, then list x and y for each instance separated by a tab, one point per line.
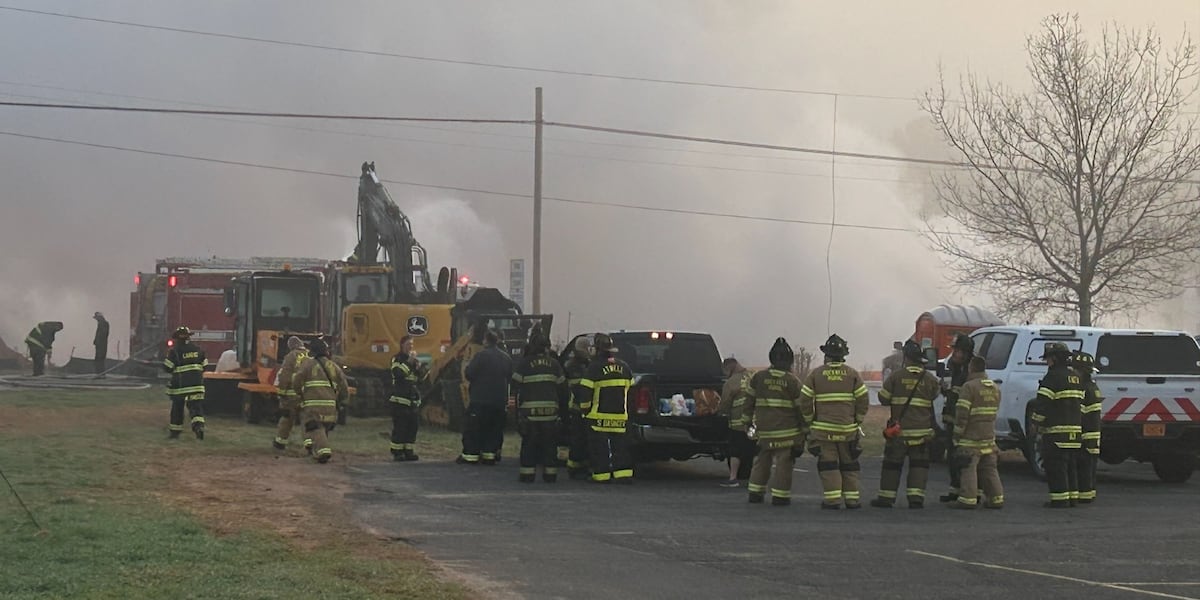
642	401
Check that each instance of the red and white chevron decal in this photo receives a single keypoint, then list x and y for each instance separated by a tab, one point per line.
1153	410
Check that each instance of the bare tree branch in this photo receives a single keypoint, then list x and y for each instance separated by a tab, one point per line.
1076	197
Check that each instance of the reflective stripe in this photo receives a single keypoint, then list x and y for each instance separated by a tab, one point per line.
1062	429
834	427
402	401
166	363
984	410
1060	496
915	492
976	444
1090	408
316	383
197	420
186	368
618	474
861	391
886	395
780	493
887	494
601	476
548	378
308	403
834	397
195	389
395	447
1090	435
807	391
779	433
773	403
910	433
833	495
756	488
963	403
921	403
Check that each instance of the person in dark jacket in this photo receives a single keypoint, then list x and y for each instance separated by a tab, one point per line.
488	375
100	342
39	342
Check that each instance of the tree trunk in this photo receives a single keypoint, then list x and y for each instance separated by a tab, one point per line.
1085	308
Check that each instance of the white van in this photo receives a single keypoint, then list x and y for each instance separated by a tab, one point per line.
1150	381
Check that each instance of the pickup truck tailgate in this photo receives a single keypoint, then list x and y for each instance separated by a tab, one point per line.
1153	398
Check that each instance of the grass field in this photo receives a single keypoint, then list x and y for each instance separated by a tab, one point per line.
128	514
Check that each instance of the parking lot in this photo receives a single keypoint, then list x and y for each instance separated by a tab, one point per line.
676	534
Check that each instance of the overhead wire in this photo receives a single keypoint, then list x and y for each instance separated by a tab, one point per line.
465	189
273	115
433	59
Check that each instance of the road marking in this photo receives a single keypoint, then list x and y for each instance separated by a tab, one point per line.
357	470
1111	586
1142	583
800	470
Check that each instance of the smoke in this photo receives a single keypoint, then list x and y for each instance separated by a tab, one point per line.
78	222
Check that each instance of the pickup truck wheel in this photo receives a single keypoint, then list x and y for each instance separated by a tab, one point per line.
1174	468
1032	448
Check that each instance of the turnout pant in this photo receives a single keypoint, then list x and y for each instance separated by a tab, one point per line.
577	429
101	357
539	446
195	409
895	451
609	454
839	474
405	420
483	433
318	421
779	479
1085	465
289	417
979	470
38	356
955	474
1062	475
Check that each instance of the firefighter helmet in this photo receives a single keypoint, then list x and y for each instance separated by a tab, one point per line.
1083	362
182	333
1058	349
963	342
604	343
318	347
781	354
835	347
913	352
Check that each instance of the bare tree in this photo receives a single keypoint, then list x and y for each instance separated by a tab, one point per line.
802	362
1075	199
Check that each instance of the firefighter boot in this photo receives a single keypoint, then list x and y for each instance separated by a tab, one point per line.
549	477
409	455
198	429
777	501
756	497
881	503
527	477
174	435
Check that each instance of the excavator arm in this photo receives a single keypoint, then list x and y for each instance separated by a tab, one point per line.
382	226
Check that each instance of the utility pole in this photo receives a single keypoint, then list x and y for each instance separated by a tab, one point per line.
537	202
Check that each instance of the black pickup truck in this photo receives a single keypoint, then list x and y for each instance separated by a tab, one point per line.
666	363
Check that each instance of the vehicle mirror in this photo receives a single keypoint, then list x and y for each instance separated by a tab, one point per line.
897	345
229	301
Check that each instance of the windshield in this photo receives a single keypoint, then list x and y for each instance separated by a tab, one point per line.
691	354
1148	355
368	288
296	296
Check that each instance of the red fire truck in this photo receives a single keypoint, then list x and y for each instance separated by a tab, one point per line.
191	292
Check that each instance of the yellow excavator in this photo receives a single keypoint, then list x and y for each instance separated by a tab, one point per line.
384	292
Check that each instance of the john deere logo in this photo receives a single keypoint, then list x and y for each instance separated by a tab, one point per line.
418	325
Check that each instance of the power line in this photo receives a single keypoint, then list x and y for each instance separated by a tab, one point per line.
472	63
682	211
248	113
443	129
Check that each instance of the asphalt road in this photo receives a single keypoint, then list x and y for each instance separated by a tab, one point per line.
675	534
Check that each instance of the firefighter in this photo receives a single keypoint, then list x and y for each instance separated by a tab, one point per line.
289	405
910	393
488	375
39	342
962	349
772	407
1056	414
407	370
185	362
100	341
834	401
976	454
604	404
539	393
1084	365
733	399
577	431
321	387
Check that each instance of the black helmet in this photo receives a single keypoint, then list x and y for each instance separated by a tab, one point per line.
781	354
604	343
835	347
318	347
538	342
963	342
913	352
182	333
1083	362
1058	349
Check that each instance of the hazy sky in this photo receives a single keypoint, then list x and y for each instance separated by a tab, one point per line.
78	222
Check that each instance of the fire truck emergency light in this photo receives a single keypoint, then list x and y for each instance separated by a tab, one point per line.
172	280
